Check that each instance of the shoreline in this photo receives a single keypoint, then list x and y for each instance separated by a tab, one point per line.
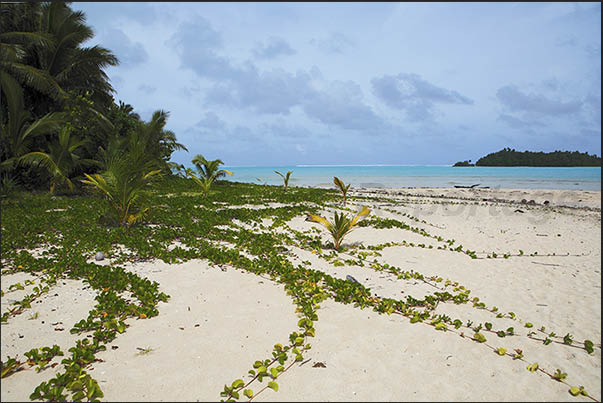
569	198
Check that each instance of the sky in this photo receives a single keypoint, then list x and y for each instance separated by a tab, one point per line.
358	83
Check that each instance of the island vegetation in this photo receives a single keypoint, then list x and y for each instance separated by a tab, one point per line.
464	164
96	177
508	157
59	121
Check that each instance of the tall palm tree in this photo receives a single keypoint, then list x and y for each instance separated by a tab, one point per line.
160	142
208	168
18	127
20	33
44	52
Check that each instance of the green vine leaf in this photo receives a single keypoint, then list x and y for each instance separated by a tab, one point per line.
479	337
501	351
237	384
441	326
588	346
558	375
248	393
273	385
532	367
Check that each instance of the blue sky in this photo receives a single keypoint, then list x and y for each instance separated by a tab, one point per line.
359	83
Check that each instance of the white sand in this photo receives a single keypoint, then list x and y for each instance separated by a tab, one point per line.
368	357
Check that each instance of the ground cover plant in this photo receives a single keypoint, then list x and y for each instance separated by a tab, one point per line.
70	229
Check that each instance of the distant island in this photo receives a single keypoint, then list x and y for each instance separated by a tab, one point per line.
510	158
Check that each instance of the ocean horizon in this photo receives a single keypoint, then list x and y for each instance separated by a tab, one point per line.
392	176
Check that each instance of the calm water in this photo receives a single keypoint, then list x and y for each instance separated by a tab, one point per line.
424	176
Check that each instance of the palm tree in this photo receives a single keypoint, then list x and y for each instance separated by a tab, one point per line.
209	168
128	171
18	128
21	33
61	160
204	183
285	178
160	143
341	225
44	52
124	186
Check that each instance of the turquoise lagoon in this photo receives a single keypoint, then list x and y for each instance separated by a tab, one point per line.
402	176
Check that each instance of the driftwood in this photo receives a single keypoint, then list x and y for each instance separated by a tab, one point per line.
466	187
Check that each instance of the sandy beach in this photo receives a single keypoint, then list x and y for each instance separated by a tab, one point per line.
220	319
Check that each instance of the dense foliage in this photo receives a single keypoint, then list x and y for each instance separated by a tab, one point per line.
510	158
464	164
58	118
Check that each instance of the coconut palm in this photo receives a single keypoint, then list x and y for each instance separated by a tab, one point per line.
344	189
61	161
18	128
209	168
124	182
341	224
285	178
204	182
160	142
42	48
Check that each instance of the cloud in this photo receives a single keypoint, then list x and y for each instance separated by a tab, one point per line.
197	44
335	43
515	100
417	97
129	53
147	89
210	121
280	128
269	92
117	81
592	103
341	105
274	91
593	51
273	48
565	41
518	123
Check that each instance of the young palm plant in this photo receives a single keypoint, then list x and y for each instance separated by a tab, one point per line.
285	178
341	224
123	183
344	189
209	168
61	161
203	182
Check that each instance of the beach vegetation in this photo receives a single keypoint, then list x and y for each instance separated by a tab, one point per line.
285	177
60	113
204	182
209	169
41	357
341	225
344	189
10	367
124	184
61	160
